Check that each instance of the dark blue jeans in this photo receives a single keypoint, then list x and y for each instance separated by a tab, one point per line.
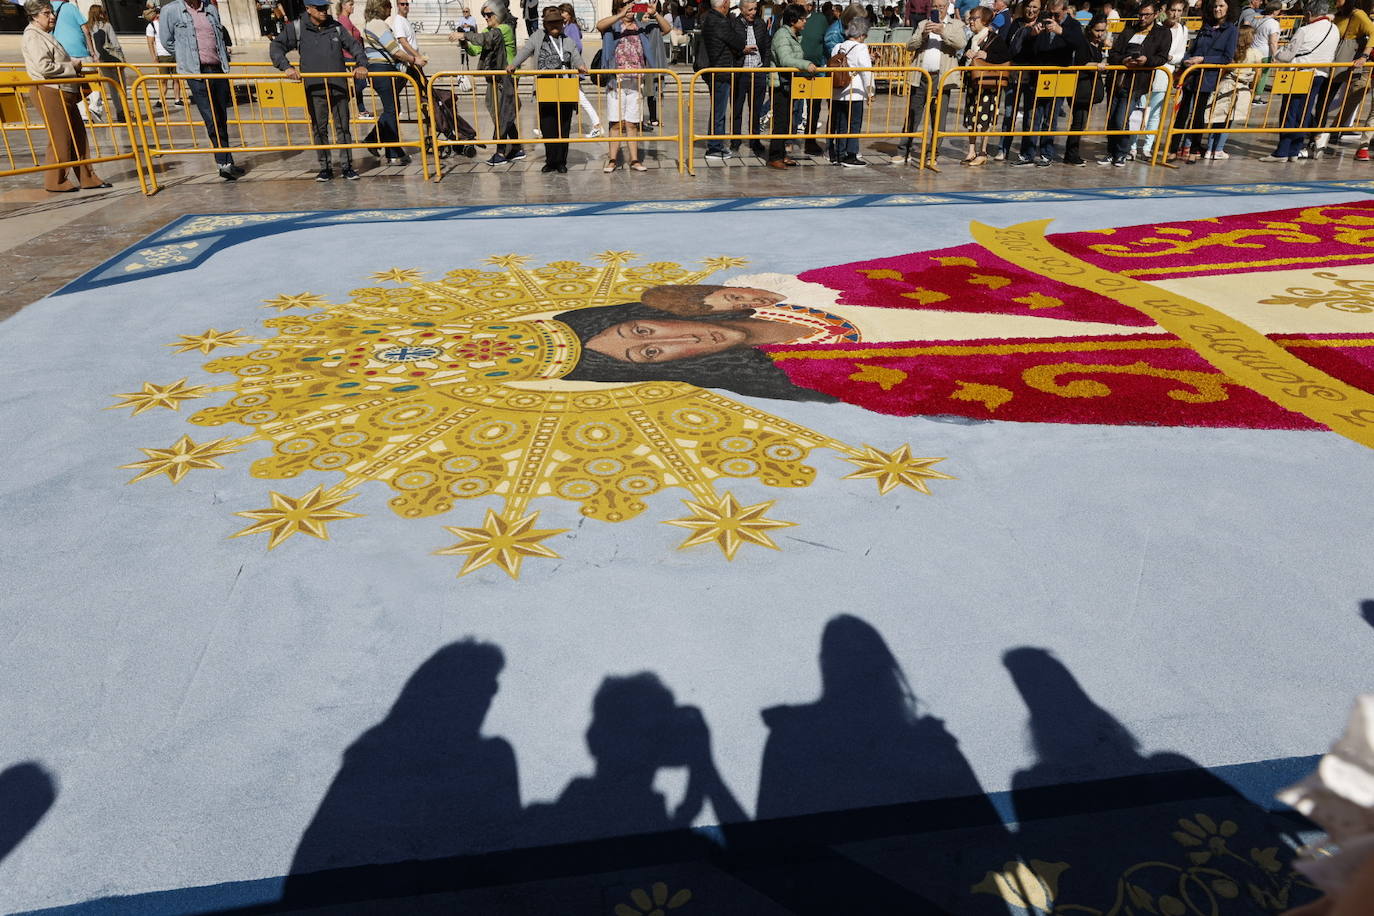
387	130
1300	111
750	89
1045	118
720	108
846	118
211	98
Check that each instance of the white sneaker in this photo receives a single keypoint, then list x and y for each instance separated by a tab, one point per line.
537	134
595	131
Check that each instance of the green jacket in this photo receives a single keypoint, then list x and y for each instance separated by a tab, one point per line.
787	50
813	38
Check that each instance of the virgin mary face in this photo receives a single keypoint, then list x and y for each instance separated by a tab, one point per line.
665	340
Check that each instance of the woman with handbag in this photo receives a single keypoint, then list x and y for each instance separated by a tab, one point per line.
46	59
1215	43
384	54
982	88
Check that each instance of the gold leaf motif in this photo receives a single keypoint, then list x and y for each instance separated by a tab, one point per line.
1208	387
1031	887
1038	301
990	396
926	296
882	376
882	274
1356	296
991	281
955	262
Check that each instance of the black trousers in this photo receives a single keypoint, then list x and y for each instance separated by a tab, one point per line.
782	121
750	89
555	120
211	98
325	99
1081	108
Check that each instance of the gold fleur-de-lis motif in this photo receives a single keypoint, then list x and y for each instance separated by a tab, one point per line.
1349	295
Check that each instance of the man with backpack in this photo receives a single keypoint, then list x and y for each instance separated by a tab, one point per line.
724	47
321	41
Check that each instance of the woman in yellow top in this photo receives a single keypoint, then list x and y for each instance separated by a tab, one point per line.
46	59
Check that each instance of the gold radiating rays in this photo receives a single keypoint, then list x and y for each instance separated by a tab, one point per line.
395	387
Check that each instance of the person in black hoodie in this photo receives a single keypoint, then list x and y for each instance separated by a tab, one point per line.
724	48
1140	49
1055	40
1091	89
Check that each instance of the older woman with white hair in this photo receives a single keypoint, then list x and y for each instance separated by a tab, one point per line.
46	59
847	108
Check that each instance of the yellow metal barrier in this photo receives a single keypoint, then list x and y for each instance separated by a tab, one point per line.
271	108
1043	98
471	108
888	58
22	115
888	115
1303	99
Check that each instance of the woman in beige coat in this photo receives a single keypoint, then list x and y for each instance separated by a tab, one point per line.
45	59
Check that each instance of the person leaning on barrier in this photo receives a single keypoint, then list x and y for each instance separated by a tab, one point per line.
724	48
192	33
494	49
1090	90
787	52
552	50
46	59
1139	48
847	106
982	87
750	88
937	43
1314	43
320	42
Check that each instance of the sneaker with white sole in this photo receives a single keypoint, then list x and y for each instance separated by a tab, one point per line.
594	132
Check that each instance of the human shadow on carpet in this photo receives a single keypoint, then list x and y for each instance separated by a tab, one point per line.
27	791
1155	830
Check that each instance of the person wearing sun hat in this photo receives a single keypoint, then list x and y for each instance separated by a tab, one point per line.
552	50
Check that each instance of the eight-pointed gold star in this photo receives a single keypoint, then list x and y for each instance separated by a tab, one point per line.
210	340
398	275
179	460
287	516
169	396
503	542
298	301
724	262
727	524
508	260
893	468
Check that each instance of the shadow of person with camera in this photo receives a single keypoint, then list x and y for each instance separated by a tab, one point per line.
27	791
422	784
1099	821
637	729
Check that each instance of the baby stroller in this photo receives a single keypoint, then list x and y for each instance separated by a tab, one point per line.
448	123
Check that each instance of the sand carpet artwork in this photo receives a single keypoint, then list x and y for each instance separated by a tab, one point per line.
351	543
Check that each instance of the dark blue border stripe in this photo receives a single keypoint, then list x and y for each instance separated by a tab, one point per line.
219	239
1256	782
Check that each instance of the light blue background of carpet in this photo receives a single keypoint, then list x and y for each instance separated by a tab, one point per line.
192	694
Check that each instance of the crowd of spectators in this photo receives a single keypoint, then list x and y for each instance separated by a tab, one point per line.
1130	68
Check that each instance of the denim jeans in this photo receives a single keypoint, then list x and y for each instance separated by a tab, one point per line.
1046	116
211	98
846	118
720	108
1300	111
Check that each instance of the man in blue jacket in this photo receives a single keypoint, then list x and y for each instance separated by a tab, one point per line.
192	33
